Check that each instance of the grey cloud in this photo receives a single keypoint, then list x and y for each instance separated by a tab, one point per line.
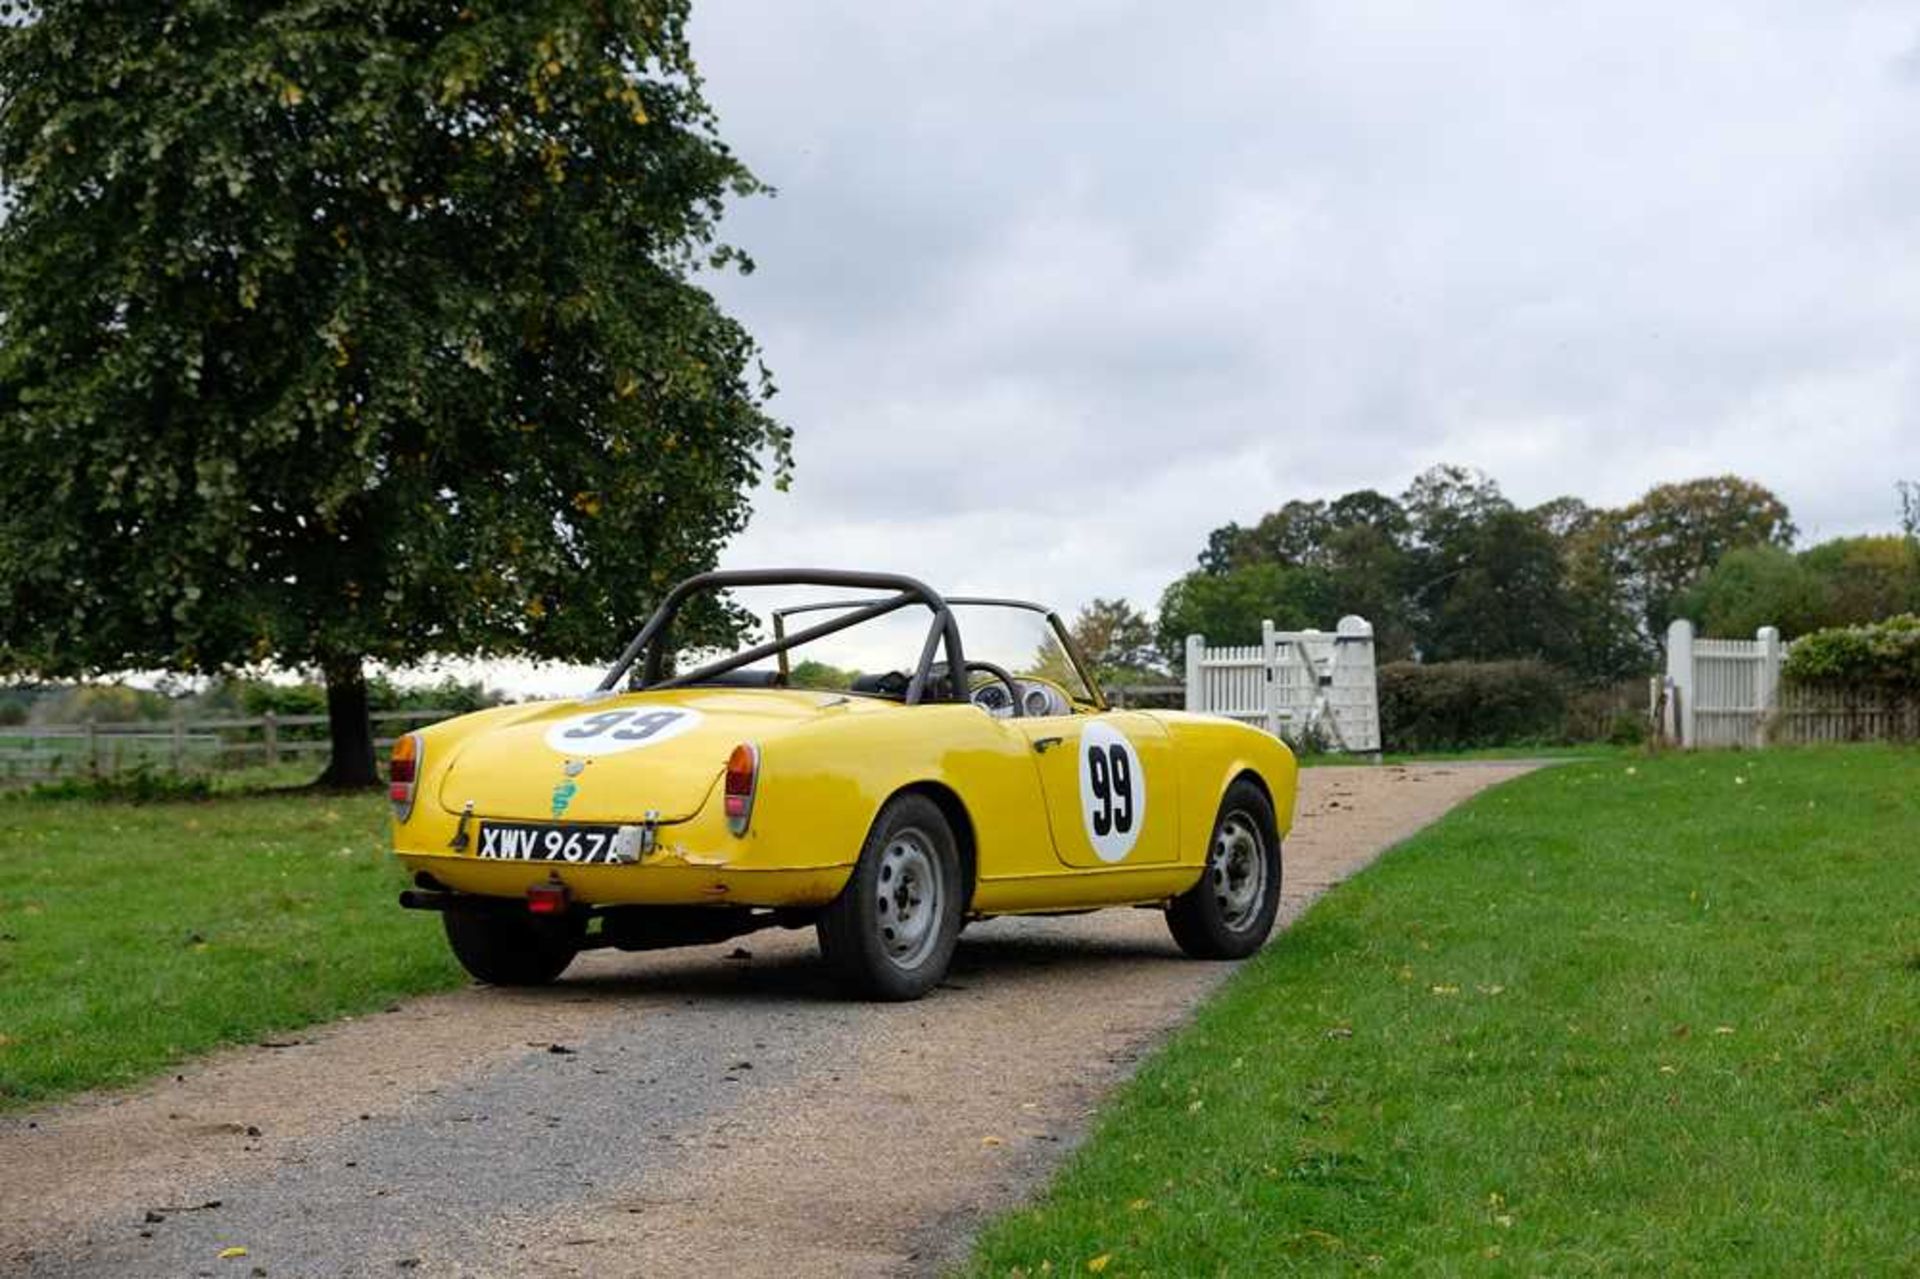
1154	268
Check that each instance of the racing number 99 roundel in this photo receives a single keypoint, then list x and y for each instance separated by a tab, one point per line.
1113	791
613	732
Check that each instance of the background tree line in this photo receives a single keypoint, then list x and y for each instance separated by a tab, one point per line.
1451	570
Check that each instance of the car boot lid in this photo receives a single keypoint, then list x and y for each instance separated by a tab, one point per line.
617	758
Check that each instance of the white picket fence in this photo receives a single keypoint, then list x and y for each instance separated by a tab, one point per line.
1306	686
1721	692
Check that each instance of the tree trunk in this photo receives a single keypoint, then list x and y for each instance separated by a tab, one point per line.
351	765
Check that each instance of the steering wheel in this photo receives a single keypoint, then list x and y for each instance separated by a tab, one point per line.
986	704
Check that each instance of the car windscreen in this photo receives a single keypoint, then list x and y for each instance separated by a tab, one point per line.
878	655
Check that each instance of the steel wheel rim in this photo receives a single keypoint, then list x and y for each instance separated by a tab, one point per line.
908	898
1237	871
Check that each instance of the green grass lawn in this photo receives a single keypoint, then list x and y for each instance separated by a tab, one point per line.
1635	1016
132	935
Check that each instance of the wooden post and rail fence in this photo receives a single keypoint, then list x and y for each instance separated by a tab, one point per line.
97	748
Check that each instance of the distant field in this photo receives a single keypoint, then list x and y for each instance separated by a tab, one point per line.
1628	1016
132	936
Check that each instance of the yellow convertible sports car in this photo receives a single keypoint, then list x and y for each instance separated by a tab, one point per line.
954	761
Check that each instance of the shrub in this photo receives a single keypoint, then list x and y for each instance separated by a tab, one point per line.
1881	653
1461	705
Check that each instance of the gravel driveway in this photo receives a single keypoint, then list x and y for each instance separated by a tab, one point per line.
712	1111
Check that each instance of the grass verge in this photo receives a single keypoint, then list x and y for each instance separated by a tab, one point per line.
1642	1016
1493	754
134	935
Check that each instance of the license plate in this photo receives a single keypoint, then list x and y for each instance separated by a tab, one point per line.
537	842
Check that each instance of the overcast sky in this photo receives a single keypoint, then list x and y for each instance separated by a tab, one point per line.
1051	290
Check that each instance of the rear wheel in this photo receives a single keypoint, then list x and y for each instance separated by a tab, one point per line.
890	933
1230	912
503	946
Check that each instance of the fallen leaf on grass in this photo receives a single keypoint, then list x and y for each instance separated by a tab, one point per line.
1139	1205
1723	1030
1446	990
228	1254
1096	1264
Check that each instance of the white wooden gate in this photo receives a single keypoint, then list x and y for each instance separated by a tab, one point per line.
1721	692
1306	686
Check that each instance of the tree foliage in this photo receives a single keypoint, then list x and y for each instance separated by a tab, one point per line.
1452	570
1116	639
340	331
1865	579
1228	607
1677	532
1848	581
1755	586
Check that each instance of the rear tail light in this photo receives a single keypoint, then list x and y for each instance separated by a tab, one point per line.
403	774
743	777
547	899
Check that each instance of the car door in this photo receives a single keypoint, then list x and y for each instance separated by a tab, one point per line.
1111	793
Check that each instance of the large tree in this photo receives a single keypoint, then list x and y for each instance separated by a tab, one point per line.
1228	607
1676	532
1117	639
346	330
1755	586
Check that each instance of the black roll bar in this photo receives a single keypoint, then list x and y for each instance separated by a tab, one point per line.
1075	658
907	591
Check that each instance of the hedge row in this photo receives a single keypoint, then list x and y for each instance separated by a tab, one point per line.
1879	653
1462	705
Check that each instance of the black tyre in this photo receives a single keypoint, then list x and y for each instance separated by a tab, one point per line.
504	946
891	932
1228	914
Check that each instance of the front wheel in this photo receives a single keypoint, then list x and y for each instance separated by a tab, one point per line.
506	947
1228	914
891	932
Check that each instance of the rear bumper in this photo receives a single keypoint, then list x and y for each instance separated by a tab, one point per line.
693	863
662	880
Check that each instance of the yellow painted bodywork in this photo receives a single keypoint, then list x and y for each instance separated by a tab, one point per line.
828	762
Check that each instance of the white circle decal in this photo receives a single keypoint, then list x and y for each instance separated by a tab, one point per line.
610	732
1113	791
